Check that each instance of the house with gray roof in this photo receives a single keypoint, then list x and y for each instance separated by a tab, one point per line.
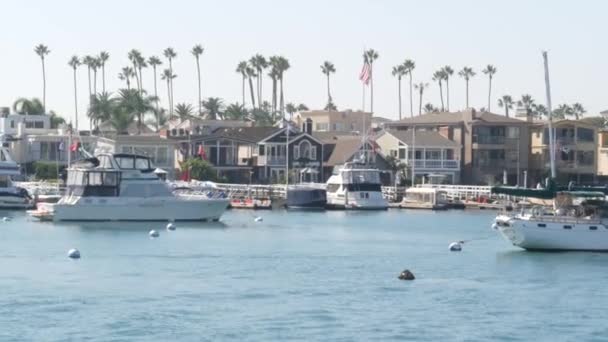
491	144
426	153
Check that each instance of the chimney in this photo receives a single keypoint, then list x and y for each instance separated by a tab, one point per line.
308	126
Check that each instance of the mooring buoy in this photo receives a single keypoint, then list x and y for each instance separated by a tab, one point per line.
258	219
74	253
171	226
153	233
406	275
455	246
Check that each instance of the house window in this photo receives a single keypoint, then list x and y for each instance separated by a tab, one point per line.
12	123
305	150
584	134
512	132
401	153
322	126
313	153
296	152
585	157
261	150
38	124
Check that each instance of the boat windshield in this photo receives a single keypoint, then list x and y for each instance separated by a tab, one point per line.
361	177
93	183
133	162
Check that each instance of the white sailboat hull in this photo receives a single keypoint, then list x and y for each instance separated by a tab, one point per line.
137	209
539	234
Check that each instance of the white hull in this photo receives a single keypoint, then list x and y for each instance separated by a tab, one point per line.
370	200
15	202
137	209
553	234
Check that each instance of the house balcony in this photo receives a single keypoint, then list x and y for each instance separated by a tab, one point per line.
436	164
489	139
272	160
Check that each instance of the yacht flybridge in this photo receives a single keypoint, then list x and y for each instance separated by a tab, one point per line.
355	186
11	196
123	187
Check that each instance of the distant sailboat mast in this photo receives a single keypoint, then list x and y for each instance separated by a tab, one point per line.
549	117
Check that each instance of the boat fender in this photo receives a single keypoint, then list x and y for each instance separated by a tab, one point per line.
455	246
171	226
494	226
258	219
6	219
406	275
74	253
153	233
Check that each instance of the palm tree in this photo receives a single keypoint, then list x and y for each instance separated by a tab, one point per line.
154	62
259	63
125	75
282	66
120	119
184	111
370	57
538	111
170	54
75	63
490	70
467	73
25	106
197	51
302	107
274	75
429	108
328	68
134	57
103	58
507	103
214	107
421	87
291	109
562	111
101	108
399	71
409	67
578	110
527	102
95	64
42	51
137	103
235	111
89	61
168	76
160	118
250	75
438	77
448	72
242	69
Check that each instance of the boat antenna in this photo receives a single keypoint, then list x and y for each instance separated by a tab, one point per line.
549	116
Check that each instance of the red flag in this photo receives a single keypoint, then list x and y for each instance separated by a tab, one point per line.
201	152
75	145
186	175
366	73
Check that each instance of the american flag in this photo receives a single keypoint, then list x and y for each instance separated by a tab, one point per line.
366	73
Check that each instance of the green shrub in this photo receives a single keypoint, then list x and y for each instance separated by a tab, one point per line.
45	171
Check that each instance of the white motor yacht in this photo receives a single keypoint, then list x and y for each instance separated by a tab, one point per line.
355	186
11	196
123	187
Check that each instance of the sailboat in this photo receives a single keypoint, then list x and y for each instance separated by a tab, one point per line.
577	222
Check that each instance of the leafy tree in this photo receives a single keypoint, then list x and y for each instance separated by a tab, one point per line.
291	109
214	107
25	106
101	108
302	107
507	103
236	111
200	169
527	102
578	110
184	111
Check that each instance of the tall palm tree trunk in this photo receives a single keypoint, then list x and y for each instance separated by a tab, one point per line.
274	94
467	82
169	93
489	93
43	86
411	96
328	91
399	89
94	82
90	85
282	100
155	90
251	91
171	87
243	90
371	87
103	77
441	95
420	105
75	102
200	101
447	88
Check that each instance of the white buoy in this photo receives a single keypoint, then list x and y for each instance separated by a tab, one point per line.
6	218
171	226
74	253
258	219
455	246
153	233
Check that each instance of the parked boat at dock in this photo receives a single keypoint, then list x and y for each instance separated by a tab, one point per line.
355	186
11	196
123	187
306	197
424	198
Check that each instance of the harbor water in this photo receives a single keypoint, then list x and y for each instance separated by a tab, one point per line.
306	276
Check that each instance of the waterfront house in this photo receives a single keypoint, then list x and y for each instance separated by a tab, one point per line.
426	153
491	144
232	151
576	149
336	121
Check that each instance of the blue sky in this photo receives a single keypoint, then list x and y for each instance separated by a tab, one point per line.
507	34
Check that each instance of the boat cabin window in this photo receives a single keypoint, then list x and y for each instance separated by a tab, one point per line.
105	162
4	182
93	183
145	190
133	162
362	177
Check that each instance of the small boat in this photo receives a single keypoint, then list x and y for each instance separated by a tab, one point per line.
305	197
11	196
123	187
251	203
424	198
355	186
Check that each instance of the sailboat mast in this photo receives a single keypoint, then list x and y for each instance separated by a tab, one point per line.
549	116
